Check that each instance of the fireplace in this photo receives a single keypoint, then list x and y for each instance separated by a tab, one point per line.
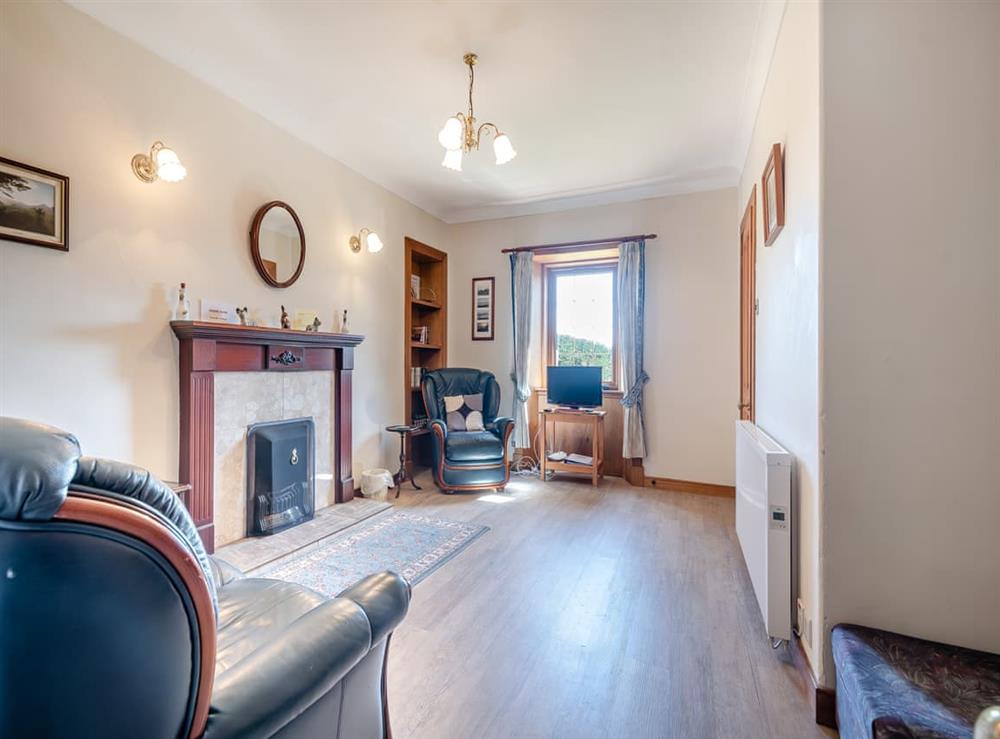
281	463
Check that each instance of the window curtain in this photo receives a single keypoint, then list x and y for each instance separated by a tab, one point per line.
520	298
631	299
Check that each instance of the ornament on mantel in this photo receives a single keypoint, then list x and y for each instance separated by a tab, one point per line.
345	327
183	310
286	322
242	313
314	326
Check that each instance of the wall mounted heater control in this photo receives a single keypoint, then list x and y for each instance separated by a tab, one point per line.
778	517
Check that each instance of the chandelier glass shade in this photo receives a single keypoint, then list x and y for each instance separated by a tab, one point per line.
460	134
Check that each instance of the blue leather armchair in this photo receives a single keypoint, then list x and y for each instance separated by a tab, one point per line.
468	460
118	624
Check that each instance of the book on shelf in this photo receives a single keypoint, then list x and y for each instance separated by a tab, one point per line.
421	334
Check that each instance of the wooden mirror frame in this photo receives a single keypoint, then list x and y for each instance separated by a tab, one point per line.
258	261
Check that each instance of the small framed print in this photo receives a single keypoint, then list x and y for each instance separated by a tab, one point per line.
483	308
773	185
34	205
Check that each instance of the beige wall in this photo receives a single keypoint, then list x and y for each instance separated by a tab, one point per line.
910	317
84	340
788	288
692	331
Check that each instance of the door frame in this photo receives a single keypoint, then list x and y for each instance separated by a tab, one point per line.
748	308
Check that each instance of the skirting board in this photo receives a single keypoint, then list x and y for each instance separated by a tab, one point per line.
689	486
824	700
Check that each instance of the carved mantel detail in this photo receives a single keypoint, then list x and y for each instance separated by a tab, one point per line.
207	348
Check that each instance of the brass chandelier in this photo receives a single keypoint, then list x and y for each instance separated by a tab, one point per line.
460	133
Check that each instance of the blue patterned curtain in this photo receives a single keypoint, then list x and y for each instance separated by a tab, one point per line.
631	313
520	299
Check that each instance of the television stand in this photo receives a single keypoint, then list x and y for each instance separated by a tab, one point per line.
595	419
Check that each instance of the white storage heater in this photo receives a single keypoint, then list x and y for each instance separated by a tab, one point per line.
764	523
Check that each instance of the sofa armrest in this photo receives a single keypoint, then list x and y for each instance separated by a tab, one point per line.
385	598
278	682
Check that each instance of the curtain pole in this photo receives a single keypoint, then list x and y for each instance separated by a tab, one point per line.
576	245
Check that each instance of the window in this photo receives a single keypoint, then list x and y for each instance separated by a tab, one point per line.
580	318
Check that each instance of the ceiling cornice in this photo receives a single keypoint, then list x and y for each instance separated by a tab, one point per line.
715	179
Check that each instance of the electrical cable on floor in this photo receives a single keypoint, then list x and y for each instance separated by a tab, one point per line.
526	466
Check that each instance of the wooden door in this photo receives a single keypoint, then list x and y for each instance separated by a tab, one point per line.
748	307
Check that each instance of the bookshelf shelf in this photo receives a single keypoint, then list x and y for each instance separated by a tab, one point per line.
430	266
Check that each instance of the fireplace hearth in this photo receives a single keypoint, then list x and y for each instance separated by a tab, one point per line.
281	464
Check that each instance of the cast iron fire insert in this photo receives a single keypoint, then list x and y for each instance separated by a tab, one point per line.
280	470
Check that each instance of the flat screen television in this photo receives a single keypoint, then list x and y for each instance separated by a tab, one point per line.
576	387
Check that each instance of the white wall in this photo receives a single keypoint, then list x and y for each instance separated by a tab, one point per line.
910	314
692	309
788	287
84	340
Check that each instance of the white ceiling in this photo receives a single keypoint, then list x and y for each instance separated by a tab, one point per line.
604	101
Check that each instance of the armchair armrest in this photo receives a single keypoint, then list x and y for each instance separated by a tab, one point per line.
500	425
272	686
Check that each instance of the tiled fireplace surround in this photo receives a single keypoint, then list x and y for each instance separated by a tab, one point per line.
245	398
233	376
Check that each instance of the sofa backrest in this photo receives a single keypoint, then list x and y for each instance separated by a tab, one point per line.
108	611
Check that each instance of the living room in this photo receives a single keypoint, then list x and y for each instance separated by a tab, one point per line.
759	222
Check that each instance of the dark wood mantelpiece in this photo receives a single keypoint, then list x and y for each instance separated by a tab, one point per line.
207	348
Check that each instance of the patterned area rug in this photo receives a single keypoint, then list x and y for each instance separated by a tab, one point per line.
411	545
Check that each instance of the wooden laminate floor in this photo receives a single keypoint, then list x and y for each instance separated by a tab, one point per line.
607	613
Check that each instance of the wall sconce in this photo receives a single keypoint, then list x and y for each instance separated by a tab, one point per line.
369	238
160	164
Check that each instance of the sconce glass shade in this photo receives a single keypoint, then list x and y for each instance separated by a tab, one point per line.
367	237
503	149
374	243
453	159
168	166
450	136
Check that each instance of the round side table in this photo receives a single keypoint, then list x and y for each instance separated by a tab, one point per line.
403	430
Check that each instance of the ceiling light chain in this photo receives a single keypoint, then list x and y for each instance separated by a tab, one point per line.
460	133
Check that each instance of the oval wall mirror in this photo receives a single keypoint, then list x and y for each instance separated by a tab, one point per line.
278	244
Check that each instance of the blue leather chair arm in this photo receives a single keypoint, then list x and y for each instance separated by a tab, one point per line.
500	425
275	684
385	599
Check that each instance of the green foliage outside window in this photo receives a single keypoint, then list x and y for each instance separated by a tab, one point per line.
574	352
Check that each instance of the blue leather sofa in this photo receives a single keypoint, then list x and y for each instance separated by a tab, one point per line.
116	623
467	460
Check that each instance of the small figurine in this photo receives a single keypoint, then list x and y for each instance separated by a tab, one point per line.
344	328
182	304
242	313
286	322
314	326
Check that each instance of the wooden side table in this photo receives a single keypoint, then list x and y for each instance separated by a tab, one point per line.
595	419
405	464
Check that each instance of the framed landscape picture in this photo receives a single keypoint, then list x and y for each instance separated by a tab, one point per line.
483	308
773	186
34	205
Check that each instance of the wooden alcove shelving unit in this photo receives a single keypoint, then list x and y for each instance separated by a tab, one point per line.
429	309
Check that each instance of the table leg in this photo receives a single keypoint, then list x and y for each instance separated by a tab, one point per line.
402	464
542	455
